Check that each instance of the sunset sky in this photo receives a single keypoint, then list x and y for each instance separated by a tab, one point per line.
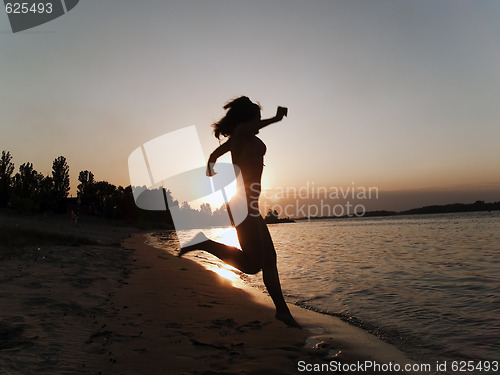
399	94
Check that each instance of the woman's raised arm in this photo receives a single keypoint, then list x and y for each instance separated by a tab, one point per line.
280	113
253	127
218	152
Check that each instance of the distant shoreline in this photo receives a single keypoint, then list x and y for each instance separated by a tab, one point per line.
478	206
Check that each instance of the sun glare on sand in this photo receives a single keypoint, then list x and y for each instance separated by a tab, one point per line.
225	235
230	238
225	272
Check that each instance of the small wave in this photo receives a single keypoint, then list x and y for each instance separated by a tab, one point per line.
402	340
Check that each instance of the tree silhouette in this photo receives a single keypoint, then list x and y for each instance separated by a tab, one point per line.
272	217
6	170
26	188
86	188
206	209
106	198
60	179
46	199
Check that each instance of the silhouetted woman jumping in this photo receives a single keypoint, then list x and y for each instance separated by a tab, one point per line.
240	125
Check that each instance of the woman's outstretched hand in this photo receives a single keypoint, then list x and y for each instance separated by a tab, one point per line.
281	112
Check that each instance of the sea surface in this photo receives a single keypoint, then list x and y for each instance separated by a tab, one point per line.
429	284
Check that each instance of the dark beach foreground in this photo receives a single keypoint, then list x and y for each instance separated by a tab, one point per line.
95	299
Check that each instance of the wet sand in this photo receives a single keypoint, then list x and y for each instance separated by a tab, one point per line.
120	306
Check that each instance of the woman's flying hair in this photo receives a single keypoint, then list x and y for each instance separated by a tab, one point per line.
240	110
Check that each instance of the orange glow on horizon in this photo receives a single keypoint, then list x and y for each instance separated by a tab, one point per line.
217	199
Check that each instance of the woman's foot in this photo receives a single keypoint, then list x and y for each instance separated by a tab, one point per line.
193	244
288	319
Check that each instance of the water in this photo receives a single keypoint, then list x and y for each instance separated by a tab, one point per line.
430	284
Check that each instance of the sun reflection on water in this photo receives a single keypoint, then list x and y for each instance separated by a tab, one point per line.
227	236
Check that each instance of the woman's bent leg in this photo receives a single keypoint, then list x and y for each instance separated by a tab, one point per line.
258	253
229	254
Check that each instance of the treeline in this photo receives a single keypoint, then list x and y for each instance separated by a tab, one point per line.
440	209
455	207
272	217
29	191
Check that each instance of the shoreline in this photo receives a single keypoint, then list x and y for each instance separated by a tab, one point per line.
117	305
324	338
260	295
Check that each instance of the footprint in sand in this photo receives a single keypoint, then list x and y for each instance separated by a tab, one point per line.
223	323
11	337
255	324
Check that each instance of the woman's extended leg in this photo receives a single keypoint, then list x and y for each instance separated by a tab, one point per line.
229	254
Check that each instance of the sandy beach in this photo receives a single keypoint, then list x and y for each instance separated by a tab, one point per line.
102	301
